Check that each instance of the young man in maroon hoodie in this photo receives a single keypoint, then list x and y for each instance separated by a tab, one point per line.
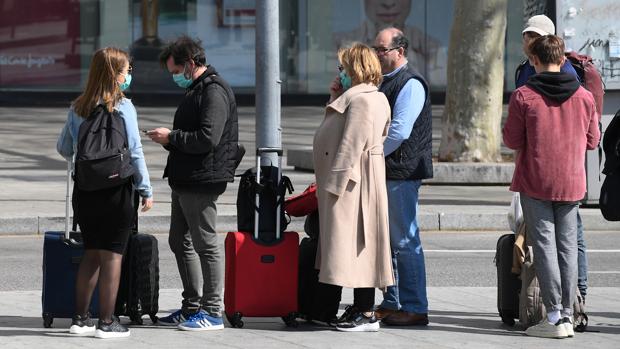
552	120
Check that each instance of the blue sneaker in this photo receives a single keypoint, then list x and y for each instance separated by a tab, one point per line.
202	321
173	319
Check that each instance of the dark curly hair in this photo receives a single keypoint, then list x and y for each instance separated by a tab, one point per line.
182	50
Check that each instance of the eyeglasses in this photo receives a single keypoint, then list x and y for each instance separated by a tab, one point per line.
383	50
130	69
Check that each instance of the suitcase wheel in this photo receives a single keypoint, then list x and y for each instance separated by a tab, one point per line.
291	320
508	320
136	319
235	320
47	320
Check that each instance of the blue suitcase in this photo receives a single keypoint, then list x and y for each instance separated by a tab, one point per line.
61	259
62	252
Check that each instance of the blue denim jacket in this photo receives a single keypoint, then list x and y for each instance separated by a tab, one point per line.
67	143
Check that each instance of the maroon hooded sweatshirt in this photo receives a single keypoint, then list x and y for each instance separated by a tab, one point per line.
552	120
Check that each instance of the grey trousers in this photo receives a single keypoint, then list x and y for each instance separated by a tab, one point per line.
193	241
552	233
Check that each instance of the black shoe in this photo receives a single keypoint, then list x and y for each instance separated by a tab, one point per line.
112	329
359	322
348	311
82	324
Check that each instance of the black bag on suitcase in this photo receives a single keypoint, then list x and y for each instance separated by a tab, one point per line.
270	189
138	292
62	252
317	301
508	284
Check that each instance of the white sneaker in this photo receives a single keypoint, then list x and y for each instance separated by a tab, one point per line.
547	330
568	326
82	325
113	329
359	322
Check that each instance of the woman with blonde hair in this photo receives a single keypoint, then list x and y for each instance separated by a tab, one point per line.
354	244
106	216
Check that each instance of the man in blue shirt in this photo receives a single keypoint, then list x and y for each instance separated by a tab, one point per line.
408	160
536	26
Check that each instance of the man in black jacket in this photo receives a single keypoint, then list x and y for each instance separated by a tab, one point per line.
202	148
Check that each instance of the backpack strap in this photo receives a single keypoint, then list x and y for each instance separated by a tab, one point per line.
519	70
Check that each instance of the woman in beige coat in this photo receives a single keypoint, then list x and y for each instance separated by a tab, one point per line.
354	244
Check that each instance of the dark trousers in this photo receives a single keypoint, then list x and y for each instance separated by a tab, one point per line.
363	298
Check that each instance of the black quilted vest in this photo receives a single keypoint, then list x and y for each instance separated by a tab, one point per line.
413	159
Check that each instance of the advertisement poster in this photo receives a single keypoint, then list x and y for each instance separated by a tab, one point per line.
592	28
39	43
423	23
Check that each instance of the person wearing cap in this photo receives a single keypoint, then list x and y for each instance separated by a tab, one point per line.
537	26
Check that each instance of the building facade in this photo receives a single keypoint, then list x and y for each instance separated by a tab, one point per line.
46	45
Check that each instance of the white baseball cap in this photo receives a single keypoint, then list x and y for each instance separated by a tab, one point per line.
539	24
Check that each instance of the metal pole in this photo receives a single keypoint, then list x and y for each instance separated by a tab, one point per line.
268	130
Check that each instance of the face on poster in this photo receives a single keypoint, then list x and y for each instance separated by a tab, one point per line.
355	20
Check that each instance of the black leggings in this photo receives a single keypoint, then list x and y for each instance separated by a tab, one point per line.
363	297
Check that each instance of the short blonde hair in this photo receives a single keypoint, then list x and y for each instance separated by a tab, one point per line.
361	63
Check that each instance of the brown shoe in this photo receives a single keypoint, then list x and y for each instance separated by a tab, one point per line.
403	318
381	313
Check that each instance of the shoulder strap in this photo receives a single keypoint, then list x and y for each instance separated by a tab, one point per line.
519	69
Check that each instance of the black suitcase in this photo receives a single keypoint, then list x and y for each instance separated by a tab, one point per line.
62	252
138	291
508	284
317	301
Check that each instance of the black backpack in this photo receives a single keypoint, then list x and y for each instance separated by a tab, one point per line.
609	200
271	197
103	159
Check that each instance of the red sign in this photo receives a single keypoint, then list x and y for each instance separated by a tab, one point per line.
39	43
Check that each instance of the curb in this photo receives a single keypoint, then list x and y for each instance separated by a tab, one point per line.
463	218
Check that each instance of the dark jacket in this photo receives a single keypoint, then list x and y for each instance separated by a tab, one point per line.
525	70
203	142
413	159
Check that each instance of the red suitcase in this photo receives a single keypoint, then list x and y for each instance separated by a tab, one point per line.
261	277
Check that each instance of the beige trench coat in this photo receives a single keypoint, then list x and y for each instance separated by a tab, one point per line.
354	248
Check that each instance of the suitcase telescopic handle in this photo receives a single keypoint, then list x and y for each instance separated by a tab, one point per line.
259	152
67	198
265	150
67	238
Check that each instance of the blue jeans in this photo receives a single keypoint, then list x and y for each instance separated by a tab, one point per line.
409	292
582	259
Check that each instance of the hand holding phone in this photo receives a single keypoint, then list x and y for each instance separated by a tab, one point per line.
335	89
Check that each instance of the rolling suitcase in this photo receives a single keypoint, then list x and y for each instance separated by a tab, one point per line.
62	252
317	301
261	272
138	292
508	284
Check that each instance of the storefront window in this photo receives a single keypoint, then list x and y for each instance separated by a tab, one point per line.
41	42
48	44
